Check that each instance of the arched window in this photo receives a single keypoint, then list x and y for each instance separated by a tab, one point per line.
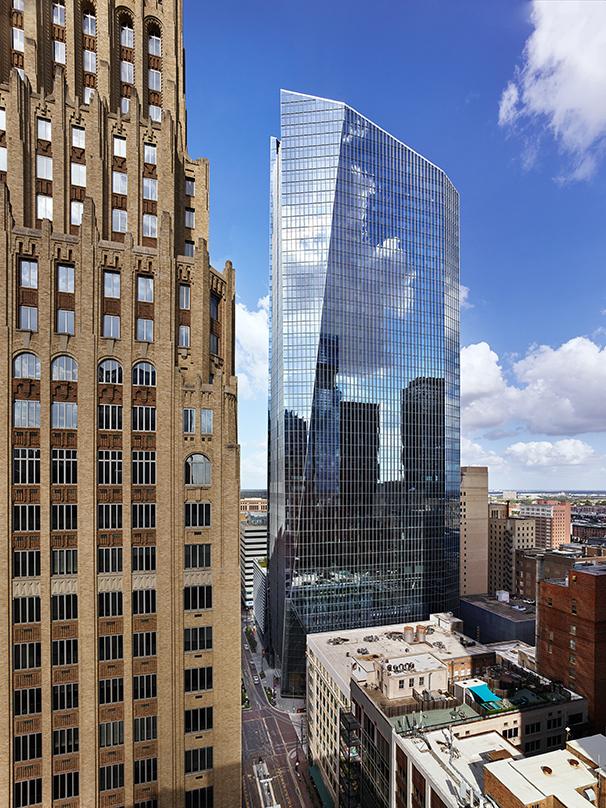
144	374
26	366
127	34
64	369
197	470
89	21
154	40
110	372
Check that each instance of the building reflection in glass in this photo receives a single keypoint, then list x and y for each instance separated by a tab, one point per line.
364	392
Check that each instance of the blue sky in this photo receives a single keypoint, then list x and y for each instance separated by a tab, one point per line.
510	99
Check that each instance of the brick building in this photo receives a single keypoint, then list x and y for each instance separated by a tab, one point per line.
506	535
552	522
120	480
571	644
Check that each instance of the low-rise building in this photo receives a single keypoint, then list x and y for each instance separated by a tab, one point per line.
490	619
427	675
506	535
253	545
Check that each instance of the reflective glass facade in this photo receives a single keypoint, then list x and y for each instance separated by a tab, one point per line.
364	392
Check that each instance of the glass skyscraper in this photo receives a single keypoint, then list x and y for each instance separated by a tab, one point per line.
364	391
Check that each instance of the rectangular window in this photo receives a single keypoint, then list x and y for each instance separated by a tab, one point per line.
111	777
110	604
144	601
111	733
119	220
88	95
144	559
184	296
44	207
111	326
109	467
76	211
26	413
144	468
189	420
150	154
44	129
145	289
111	284
59	14
27	792
127	37
154	80
144	419
145	686
150	189
206	422
26	563
119	146
59	52
197	556
199	720
190	218
190	186
143	514
198	679
2	119
154	45
66	785
26	466
214	344
26	610
65	278
64	562
18	39
150	225
109	416
78	175
198	760
111	647
189	249
109	559
26	518
3	158
119	183
184	336
66	741
197	514
27	655
111	691
89	25
64	517
27	701
64	466
64	415
65	697
145	729
197	598
64	607
145	330
78	137
144	643
109	517
66	321
28	273
145	770
44	167
27	747
65	652
127	72
89	61
198	639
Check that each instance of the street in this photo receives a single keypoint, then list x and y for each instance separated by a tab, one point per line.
268	734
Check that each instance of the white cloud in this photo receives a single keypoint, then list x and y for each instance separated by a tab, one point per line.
473	454
464	301
568	452
561	82
252	348
557	391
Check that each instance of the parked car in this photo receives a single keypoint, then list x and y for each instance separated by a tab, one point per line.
256	680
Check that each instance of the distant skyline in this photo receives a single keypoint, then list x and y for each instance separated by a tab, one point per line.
510	99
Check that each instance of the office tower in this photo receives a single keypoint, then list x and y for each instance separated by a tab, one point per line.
571	635
253	545
364	392
473	572
119	589
506	535
552	520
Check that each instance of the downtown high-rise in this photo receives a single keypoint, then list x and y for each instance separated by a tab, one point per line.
364	390
119	587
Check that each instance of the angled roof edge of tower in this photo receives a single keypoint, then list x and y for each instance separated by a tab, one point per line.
376	125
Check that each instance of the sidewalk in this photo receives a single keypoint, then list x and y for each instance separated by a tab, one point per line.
285	705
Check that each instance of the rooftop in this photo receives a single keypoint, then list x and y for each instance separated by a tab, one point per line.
515	609
339	650
560	774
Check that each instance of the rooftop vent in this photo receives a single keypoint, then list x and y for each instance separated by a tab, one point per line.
573	762
546	770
